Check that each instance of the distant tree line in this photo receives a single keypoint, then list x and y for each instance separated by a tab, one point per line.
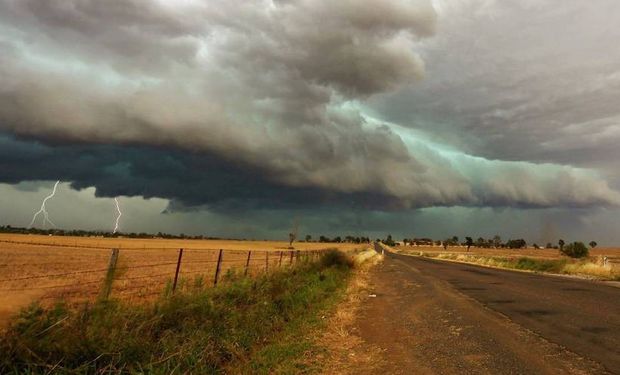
107	234
339	239
575	249
99	233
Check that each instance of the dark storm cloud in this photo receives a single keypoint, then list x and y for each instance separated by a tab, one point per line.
193	180
255	92
188	179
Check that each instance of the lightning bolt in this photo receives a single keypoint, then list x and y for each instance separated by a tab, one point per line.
118	209
43	211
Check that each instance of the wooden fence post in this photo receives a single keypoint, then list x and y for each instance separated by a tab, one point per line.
267	261
291	262
176	273
217	268
109	277
247	263
280	262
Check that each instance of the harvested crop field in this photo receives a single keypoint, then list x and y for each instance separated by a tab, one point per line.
49	268
602	263
612	252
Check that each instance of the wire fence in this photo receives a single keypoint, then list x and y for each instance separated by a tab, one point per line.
138	274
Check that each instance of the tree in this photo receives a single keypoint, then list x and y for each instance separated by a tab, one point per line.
575	250
497	241
469	242
593	244
561	243
549	245
455	240
516	244
389	241
308	238
445	244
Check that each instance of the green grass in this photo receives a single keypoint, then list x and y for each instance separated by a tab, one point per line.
247	325
540	265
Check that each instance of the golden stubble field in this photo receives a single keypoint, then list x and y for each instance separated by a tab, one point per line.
49	268
612	252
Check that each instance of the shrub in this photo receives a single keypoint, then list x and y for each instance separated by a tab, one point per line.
516	244
575	250
336	258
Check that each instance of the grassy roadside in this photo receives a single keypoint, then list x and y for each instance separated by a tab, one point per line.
342	350
247	325
564	266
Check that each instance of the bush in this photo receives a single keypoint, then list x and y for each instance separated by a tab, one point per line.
336	258
575	250
516	244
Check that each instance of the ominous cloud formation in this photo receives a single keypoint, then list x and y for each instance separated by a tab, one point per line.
213	102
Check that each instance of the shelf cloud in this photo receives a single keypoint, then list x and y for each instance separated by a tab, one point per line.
272	104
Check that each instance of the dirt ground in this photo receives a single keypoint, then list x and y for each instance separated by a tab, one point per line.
48	268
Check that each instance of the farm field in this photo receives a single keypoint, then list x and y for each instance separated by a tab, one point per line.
612	252
48	268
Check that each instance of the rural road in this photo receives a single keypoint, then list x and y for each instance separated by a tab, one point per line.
435	317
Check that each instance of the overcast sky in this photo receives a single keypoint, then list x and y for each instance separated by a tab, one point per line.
237	118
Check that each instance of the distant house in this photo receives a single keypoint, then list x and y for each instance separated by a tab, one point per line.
423	242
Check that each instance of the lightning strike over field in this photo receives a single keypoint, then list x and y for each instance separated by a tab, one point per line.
118	209
43	210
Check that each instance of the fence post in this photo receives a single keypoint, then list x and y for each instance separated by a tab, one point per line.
217	267
109	277
291	262
176	273
280	262
247	263
297	256
267	261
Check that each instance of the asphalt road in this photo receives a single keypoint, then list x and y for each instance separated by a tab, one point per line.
440	317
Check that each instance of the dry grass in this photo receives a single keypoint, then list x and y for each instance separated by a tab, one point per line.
27	263
591	267
345	352
612	252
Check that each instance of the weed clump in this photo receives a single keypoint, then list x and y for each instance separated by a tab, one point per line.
540	265
337	258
